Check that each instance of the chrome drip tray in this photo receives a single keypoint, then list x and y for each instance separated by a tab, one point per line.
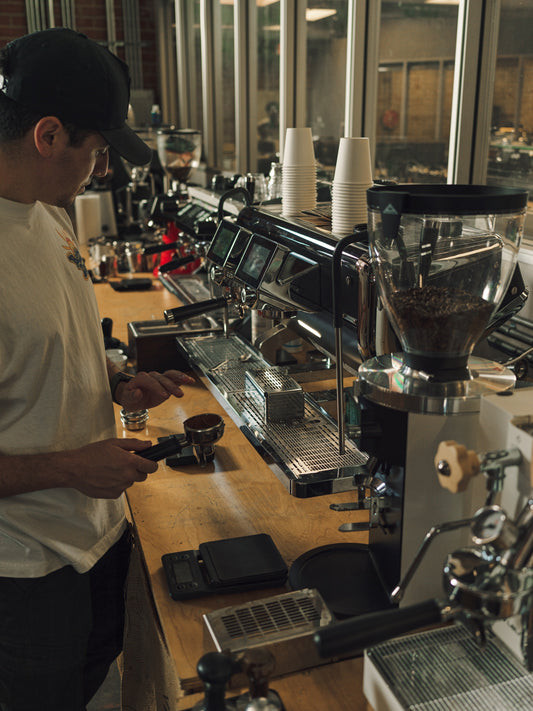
304	450
283	624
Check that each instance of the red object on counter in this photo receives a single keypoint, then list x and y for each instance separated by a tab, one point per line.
172	235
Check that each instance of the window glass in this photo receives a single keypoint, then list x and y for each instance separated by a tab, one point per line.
327	22
268	54
510	154
415	82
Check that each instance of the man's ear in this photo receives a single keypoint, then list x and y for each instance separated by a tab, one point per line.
48	134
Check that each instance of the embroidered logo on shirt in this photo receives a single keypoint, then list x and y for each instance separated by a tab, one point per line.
73	255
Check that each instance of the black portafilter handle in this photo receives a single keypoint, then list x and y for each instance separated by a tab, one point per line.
354	635
177	263
167	448
181	313
156	248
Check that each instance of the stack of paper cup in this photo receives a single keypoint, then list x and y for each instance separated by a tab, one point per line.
352	178
88	216
298	172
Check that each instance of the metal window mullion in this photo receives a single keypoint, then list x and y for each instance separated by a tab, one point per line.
240	28
184	40
519	89
51	16
356	45
440	101
373	22
483	123
210	27
292	67
465	91
404	106
166	65
110	26
68	14
132	41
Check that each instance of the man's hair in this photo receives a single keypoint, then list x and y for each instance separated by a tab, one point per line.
16	120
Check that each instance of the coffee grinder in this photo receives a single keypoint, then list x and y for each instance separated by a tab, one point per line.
443	256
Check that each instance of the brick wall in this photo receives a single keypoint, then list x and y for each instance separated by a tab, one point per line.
90	18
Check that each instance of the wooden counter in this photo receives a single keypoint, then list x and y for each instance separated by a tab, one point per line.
235	495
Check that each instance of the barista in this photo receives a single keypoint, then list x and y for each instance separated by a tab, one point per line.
64	542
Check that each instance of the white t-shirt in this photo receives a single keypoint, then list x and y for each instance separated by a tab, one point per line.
54	390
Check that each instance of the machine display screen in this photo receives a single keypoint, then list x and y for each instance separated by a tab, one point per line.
255	261
238	248
222	242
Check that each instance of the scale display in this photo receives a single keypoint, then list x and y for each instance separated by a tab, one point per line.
222	242
255	261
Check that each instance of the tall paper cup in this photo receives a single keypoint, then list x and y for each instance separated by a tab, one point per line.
88	216
353	161
298	149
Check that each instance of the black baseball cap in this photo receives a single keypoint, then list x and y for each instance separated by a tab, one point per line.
63	73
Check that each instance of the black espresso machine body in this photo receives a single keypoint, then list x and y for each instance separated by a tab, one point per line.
284	267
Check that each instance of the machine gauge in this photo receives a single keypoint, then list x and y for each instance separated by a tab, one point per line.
492	527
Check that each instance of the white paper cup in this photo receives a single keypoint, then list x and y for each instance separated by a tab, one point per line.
353	161
298	149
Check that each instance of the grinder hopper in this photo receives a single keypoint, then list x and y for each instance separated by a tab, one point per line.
443	256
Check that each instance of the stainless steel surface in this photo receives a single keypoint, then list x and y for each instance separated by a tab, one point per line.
444	670
305	448
386	381
284	624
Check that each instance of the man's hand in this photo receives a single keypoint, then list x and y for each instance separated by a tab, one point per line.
147	390
105	469
102	470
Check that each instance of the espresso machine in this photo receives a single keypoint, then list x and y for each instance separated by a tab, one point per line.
485	659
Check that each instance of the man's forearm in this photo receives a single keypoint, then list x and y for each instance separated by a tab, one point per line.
21	474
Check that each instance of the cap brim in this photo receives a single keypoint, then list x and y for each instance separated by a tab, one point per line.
128	144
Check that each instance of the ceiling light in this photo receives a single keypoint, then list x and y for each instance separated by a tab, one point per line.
312	14
259	3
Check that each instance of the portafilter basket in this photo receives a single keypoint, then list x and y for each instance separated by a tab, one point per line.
203	431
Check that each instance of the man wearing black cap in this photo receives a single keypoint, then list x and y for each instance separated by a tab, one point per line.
64	543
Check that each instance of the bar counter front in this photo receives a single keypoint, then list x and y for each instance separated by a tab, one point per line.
177	509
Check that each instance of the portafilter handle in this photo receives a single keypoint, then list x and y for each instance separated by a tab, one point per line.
181	313
354	635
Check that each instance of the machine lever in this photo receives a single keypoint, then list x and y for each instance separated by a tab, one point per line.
399	591
353	635
356	526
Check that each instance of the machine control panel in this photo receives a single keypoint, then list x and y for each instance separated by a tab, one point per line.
278	275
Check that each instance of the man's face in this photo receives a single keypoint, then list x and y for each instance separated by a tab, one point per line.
76	166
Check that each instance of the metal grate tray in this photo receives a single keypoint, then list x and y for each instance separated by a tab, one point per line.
305	449
270	620
283	624
444	670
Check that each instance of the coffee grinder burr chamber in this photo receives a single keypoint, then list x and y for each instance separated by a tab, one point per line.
443	256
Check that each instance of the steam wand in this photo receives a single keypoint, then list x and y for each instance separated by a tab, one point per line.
336	279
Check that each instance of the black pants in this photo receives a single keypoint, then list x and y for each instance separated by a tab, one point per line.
60	633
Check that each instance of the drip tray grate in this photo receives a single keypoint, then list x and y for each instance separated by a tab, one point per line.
284	624
444	670
304	448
